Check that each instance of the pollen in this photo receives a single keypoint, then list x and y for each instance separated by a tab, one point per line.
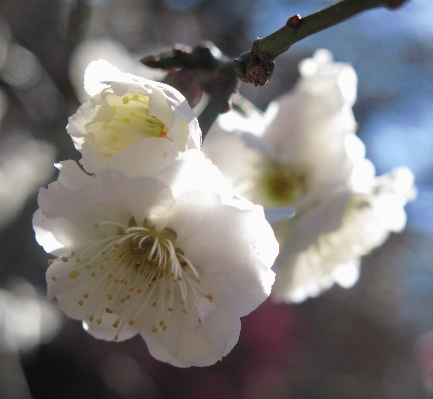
74	274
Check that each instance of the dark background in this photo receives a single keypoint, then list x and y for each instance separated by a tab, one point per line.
372	341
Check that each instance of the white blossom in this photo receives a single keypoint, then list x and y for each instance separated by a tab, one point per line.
307	157
156	248
325	244
126	110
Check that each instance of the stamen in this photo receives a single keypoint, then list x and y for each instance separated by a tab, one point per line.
134	261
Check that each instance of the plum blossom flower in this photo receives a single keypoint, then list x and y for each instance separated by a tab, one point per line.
126	109
163	252
325	244
303	154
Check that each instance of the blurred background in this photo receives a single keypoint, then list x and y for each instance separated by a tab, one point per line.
372	341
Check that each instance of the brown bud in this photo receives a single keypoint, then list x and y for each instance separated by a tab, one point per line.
394	4
258	69
150	61
294	22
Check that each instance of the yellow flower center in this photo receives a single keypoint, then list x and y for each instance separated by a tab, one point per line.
135	271
283	183
122	121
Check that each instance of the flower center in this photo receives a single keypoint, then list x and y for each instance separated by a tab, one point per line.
139	269
122	121
283	183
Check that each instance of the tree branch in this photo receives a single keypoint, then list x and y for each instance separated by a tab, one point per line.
257	65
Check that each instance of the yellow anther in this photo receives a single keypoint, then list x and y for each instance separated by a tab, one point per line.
199	320
184	310
164	327
99	321
88	266
108	310
86	295
139	290
96	225
116	280
183	302
125	100
74	274
91	318
116	323
209	296
64	259
131	322
116	337
54	278
78	260
135	96
170	309
169	291
154	304
198	280
80	302
154	329
109	275
110	297
93	274
161	323
50	262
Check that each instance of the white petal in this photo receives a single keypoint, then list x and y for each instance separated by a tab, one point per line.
179	346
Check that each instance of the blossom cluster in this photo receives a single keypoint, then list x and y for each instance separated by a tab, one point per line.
147	238
303	154
154	235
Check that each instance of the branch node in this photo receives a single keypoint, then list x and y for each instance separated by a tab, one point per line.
257	66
